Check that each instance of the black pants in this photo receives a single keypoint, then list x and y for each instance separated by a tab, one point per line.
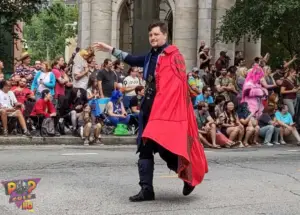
148	150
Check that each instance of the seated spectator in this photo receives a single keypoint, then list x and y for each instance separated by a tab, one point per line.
44	108
9	107
43	80
269	128
287	126
116	111
140	75
224	85
21	91
85	124
130	83
250	124
206	125
135	102
93	91
205	96
230	124
220	101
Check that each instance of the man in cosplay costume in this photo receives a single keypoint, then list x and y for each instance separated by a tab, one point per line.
167	122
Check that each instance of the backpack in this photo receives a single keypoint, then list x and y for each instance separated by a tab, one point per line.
48	128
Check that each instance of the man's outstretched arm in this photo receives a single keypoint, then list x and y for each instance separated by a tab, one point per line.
121	55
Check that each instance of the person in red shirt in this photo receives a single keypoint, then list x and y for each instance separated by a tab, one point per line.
61	78
21	91
44	106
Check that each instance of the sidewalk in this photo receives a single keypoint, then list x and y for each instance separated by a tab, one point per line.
64	140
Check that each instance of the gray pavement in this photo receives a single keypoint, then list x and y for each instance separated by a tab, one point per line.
98	180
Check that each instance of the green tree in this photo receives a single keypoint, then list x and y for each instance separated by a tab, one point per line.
47	32
275	21
10	13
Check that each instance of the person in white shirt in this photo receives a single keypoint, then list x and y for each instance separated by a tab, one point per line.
9	107
129	84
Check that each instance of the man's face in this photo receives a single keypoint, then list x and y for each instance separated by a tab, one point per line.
109	65
157	38
242	63
1	65
23	82
134	72
38	65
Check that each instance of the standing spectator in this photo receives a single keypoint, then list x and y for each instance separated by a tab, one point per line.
223	61
80	70
106	79
205	58
141	77
202	45
43	80
24	70
61	78
289	91
21	91
1	71
130	83
38	67
238	57
93	72
119	71
9	107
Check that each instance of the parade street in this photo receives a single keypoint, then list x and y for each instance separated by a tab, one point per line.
99	179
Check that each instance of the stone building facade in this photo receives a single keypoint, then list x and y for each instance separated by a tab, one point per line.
123	24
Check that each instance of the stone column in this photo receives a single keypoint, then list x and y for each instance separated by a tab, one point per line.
145	12
101	22
221	7
185	30
84	25
206	21
252	50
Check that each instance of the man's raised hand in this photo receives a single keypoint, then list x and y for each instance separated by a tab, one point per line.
103	47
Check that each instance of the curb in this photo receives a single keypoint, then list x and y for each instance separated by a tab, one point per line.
64	140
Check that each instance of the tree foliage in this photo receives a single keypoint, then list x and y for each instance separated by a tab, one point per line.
275	21
12	11
47	32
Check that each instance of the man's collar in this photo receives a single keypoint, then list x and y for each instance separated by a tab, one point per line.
159	49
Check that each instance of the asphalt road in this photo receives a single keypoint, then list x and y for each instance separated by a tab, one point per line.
99	180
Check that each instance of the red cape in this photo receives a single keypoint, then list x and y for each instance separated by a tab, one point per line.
172	122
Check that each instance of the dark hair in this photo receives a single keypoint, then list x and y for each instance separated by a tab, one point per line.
131	69
219	99
227	113
106	61
55	62
269	110
256	60
44	93
201	105
64	66
4	83
280	107
163	27
139	89
205	88
91	82
116	64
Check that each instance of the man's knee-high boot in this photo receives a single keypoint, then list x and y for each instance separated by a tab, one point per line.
146	169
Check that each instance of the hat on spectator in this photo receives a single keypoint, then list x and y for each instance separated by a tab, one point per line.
24	55
195	70
44	93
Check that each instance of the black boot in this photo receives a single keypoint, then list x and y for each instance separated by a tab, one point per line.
187	189
146	168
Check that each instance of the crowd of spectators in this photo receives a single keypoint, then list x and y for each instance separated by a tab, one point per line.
235	106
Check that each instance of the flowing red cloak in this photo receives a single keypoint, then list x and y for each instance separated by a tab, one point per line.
172	122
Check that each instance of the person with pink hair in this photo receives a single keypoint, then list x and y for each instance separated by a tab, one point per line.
254	91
